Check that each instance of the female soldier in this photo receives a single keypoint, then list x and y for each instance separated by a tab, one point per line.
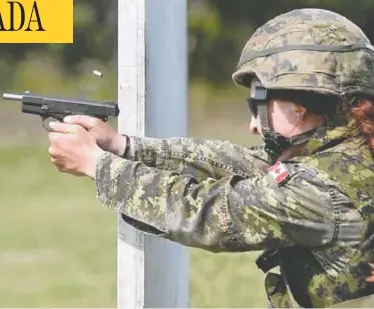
305	196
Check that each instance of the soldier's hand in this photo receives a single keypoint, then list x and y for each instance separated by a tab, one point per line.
73	150
106	137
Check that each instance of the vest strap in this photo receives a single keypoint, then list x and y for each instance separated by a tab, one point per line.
267	260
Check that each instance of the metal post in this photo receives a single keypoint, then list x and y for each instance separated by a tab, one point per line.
152	93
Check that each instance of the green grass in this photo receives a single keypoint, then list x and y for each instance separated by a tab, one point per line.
58	246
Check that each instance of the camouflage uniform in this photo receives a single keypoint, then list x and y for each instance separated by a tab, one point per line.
312	214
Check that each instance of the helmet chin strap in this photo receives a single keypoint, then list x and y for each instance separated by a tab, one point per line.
274	142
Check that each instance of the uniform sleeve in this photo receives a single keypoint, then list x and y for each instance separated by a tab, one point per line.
197	157
229	214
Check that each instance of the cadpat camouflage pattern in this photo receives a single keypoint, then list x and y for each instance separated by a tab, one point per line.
343	63
202	195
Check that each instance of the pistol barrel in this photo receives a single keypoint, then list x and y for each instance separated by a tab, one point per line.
11	96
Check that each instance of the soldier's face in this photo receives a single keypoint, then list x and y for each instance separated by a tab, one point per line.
284	117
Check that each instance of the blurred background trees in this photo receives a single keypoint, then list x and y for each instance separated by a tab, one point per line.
218	30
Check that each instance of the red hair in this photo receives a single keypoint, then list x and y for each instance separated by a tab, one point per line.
363	113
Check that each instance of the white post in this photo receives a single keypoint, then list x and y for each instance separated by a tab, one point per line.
152	96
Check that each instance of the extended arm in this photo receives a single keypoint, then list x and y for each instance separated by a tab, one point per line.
230	214
187	156
196	157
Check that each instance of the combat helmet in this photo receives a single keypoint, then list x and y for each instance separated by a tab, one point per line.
306	50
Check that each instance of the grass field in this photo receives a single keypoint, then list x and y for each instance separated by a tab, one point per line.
58	245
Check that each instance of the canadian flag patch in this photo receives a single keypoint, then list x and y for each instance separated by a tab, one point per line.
279	172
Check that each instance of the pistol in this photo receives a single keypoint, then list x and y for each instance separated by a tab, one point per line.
55	109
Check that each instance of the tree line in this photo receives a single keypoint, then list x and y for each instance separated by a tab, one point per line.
218	30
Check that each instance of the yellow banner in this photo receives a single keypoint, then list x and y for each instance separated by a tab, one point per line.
36	21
